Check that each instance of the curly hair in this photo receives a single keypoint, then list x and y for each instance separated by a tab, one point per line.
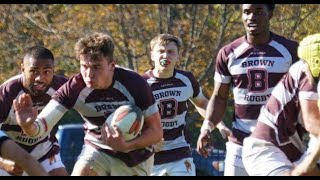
95	45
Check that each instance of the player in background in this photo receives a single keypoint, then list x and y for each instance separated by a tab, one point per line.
97	91
276	144
252	65
14	154
40	83
172	88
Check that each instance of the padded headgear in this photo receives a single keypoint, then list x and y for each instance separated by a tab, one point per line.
309	50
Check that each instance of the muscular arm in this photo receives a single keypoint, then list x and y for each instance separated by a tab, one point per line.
151	134
10	150
214	114
311	116
218	103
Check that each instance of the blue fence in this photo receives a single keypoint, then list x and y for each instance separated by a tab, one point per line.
70	138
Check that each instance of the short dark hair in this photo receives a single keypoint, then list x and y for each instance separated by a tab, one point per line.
38	52
270	6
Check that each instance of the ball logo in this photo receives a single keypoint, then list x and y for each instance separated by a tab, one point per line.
122	115
135	128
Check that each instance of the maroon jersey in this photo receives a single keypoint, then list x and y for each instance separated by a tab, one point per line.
42	147
253	71
95	105
279	121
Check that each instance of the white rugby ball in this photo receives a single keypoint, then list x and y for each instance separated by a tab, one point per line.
129	119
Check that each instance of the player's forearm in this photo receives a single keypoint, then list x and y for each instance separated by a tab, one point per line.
152	134
49	117
216	109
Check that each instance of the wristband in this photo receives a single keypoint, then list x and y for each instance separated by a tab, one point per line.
207	125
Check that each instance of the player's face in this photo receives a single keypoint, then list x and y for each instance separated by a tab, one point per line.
256	18
97	72
38	75
165	56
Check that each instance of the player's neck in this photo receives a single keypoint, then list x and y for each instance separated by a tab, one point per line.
162	73
259	39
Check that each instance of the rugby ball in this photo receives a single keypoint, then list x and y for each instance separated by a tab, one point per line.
129	119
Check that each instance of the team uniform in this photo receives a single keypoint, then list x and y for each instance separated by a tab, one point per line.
172	95
45	148
95	105
253	71
277	140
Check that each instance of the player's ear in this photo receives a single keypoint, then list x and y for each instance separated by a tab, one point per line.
113	63
22	67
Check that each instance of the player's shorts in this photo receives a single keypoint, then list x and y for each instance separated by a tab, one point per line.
106	165
183	167
262	158
233	161
52	163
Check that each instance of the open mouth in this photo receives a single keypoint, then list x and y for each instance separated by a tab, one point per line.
165	62
39	87
252	26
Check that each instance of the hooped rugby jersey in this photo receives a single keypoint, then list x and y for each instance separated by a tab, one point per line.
253	71
280	119
95	105
40	147
172	95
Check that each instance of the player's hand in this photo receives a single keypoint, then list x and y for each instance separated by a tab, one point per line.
25	113
226	133
11	167
112	137
204	140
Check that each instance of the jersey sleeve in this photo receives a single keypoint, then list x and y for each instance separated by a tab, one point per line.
222	73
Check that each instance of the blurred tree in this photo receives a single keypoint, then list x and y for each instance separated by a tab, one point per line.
204	29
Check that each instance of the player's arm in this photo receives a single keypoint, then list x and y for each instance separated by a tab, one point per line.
152	133
200	102
311	116
216	108
10	150
34	125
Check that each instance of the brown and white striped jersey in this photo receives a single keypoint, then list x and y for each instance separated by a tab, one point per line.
253	71
280	119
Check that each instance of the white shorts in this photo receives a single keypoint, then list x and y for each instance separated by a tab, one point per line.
183	167
233	162
262	158
52	163
106	165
